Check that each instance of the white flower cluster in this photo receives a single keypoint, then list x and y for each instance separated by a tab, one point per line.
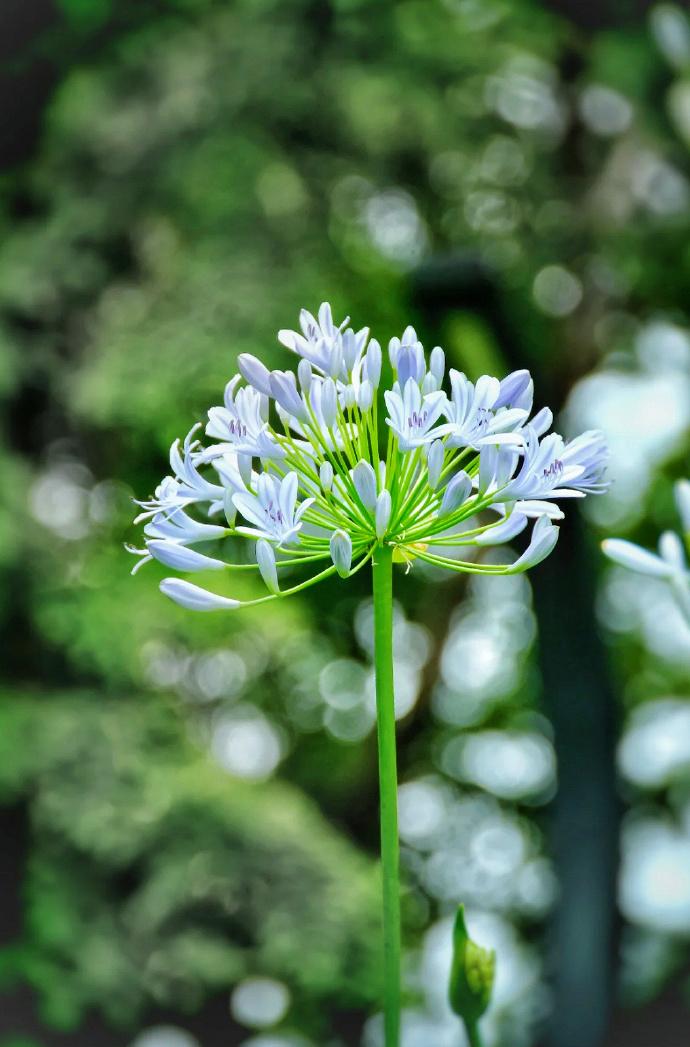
299	464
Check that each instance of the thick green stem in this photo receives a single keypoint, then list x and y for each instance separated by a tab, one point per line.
472	1030
388	788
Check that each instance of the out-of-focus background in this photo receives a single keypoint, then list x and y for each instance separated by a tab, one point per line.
188	803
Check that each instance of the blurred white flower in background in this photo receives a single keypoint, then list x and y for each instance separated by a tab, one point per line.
259	1002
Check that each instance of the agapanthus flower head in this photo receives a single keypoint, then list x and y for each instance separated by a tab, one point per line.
316	470
671	562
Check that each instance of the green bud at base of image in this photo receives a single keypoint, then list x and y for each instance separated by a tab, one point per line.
471	977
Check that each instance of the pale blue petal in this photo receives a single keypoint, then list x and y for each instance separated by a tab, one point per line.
627	554
194	598
180	558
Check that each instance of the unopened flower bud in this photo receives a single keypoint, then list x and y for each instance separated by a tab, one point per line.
365	396
329	403
437	364
341	552
336	364
372	364
254	372
326	475
266	559
304	373
364	479
435	463
472	974
457	491
284	392
383	513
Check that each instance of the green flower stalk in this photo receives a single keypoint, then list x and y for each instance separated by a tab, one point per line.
322	475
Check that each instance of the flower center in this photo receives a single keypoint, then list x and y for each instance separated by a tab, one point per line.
484	417
274	514
554	470
417	421
238	428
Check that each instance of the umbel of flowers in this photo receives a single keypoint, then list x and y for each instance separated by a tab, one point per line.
319	474
296	464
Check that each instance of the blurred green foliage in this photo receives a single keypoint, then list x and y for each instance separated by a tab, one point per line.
152	879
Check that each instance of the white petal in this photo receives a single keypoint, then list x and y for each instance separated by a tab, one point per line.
504	531
180	558
627	554
672	551
544	538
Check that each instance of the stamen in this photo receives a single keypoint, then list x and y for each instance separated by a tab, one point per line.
417	421
276	515
238	428
554	470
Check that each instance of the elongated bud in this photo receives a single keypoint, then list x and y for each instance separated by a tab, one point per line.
435	463
284	392
437	364
542	542
457	492
429	385
180	558
266	559
341	552
350	347
365	396
254	372
194	598
504	531
541	422
364	479
244	465
349	397
326	475
472	974
329	402
515	391
382	474
410	364
372	364
393	350
383	513
336	362
304	373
